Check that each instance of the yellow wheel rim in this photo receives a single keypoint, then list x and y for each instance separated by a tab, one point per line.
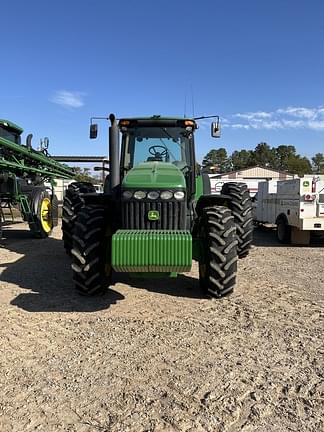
45	215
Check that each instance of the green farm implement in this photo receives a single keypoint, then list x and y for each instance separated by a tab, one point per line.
157	213
23	174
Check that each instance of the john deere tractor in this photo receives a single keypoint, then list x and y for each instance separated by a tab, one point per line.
157	213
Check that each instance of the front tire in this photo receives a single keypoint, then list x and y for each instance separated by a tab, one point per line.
218	266
91	251
72	204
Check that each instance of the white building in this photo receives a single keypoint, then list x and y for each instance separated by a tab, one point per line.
251	176
60	187
62	184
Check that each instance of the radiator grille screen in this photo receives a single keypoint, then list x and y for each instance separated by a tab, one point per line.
171	215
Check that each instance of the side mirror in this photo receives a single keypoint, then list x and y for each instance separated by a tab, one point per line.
93	131
216	129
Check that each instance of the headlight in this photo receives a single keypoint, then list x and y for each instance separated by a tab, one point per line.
127	194
165	195
139	195
179	195
153	195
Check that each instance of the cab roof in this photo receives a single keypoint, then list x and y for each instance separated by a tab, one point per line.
10	125
157	120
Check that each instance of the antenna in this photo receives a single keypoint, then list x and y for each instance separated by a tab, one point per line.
192	102
185	105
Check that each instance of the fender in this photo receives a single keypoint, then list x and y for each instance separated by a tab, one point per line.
211	200
206	201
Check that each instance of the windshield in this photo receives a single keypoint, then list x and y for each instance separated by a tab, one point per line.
156	144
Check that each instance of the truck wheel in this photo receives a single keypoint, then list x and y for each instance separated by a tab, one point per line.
41	205
241	207
218	265
72	204
283	231
91	251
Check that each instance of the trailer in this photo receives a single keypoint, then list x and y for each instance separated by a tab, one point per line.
295	206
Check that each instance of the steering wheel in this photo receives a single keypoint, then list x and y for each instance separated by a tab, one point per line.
154	152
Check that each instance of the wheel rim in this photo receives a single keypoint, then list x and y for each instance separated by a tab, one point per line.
45	215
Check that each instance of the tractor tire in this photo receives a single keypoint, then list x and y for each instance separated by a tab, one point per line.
218	267
41	206
91	251
55	210
72	204
283	231
241	207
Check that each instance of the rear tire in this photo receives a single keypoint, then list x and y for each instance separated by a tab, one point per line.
241	207
91	251
54	210
41	206
218	266
72	204
283	231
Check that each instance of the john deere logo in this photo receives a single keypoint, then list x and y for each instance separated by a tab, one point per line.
306	183
153	215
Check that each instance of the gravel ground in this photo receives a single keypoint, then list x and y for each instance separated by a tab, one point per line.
154	355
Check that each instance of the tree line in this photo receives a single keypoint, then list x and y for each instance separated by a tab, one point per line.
84	174
281	158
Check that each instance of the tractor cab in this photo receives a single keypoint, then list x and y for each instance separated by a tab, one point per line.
164	145
10	131
160	141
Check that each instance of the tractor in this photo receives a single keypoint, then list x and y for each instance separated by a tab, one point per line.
156	213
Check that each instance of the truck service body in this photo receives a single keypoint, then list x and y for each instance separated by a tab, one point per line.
296	206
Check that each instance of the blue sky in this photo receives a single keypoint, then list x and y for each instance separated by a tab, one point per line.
258	64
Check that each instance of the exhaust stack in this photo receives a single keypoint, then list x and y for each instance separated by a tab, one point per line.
114	168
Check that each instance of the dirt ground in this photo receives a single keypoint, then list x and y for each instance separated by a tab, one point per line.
154	355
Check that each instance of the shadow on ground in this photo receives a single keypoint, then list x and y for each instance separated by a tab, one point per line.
44	269
181	286
264	236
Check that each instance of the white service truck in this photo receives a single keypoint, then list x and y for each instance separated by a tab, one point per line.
296	206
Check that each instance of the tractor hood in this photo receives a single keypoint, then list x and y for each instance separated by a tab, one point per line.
154	175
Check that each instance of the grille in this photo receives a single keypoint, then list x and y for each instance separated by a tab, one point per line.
135	215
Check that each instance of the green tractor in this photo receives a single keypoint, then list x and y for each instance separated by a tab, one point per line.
157	213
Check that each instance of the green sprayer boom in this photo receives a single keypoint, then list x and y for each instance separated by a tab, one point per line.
23	159
23	174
